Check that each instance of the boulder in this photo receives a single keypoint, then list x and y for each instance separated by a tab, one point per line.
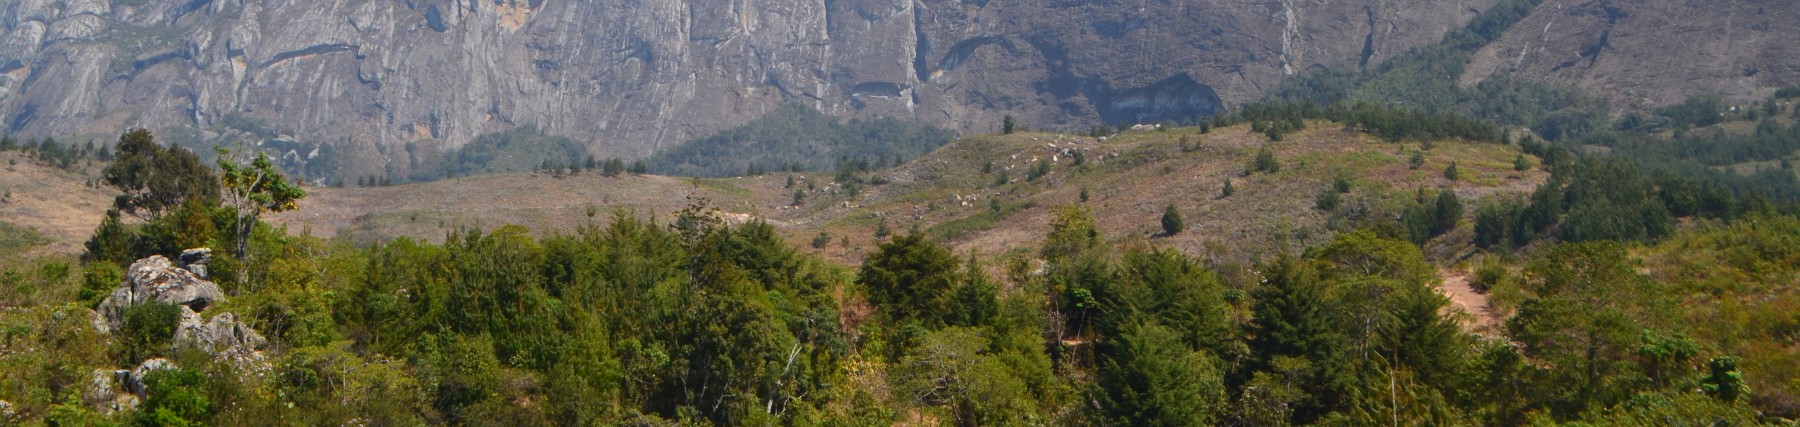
155	279
222	336
134	379
194	260
100	389
103	391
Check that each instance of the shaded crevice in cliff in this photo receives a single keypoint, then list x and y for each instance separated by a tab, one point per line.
1368	50
922	46
1176	98
965	49
145	63
309	51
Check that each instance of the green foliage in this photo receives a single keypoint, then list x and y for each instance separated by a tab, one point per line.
1451	173
911	279
252	188
1417	160
1327	200
1038	170
800	137
1447	213
1723	380
520	149
16	239
1265	162
1171	221
147	330
1226	190
176	397
1153	379
157	179
954	368
1698	110
1006	125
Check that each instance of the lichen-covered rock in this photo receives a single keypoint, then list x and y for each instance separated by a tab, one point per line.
100	389
155	279
223	335
134	381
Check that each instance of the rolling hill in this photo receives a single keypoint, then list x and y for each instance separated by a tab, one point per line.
1129	178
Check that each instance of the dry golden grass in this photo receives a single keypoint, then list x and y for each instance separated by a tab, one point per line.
59	204
1130	178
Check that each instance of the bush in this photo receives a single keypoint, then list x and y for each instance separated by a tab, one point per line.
1327	200
1265	162
1450	172
147	330
1171	221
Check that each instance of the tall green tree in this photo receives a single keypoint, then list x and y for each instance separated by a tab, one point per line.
1151	379
911	279
252	188
155	179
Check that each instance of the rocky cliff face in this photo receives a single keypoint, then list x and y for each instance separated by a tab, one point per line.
1646	53
381	78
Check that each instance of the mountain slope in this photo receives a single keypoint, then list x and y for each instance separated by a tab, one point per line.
378	80
1643	54
1130	178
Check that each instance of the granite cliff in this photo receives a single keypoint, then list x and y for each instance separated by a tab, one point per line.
381	81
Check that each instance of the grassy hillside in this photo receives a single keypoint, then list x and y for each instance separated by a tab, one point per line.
60	205
1130	178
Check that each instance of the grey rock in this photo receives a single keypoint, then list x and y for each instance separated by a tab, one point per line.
100	389
155	279
195	260
1643	54
387	83
223	335
134	381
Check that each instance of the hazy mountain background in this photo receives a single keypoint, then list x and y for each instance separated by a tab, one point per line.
390	88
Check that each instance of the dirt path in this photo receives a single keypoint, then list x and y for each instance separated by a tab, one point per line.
1464	298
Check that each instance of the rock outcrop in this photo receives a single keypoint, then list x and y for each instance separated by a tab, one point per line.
155	279
382	83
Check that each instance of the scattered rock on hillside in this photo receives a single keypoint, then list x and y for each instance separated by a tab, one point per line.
102	391
134	379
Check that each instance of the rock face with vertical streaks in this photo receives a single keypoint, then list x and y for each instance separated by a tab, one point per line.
382	80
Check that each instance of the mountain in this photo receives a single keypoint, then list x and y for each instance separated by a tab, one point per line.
352	88
1644	54
380	81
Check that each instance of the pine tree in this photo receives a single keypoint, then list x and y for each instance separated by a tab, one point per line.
1171	221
